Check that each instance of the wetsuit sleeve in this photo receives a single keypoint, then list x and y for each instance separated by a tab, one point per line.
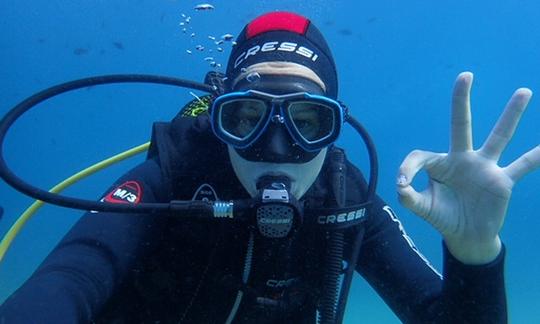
415	291
83	270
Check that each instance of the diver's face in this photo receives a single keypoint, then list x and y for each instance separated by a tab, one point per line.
275	145
275	153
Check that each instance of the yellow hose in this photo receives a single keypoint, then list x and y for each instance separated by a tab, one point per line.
30	211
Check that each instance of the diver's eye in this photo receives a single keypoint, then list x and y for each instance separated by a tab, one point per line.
312	120
241	117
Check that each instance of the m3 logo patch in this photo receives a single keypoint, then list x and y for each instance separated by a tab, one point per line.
129	192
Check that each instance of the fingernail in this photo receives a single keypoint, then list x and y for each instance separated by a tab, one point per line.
401	180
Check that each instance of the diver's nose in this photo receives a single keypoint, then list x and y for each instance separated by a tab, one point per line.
276	145
279	143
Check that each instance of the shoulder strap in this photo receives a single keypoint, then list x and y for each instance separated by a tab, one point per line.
187	150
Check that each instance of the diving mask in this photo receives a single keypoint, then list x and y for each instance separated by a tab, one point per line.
313	121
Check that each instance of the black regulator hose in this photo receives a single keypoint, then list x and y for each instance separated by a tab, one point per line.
24	106
331	279
332	308
335	243
372	154
370	194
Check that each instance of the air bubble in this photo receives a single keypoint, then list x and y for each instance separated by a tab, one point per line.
227	37
203	7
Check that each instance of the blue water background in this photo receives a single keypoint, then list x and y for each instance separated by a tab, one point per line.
397	62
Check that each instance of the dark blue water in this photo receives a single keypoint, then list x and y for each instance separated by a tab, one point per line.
397	62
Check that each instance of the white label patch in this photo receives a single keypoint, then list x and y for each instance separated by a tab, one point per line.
205	193
129	192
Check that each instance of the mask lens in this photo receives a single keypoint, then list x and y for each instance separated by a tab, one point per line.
241	117
313	121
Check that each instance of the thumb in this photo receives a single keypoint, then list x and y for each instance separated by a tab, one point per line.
418	203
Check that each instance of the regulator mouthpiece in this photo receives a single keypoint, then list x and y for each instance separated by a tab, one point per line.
276	212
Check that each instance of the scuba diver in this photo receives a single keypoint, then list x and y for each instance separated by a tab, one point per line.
269	136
